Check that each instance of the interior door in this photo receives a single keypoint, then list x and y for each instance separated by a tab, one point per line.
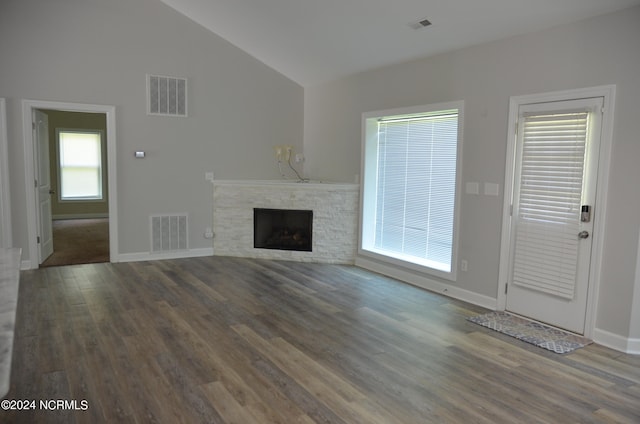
43	184
557	149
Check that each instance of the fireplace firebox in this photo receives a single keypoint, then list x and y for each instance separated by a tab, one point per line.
282	229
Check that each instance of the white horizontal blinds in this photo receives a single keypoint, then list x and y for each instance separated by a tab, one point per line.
416	177
80	165
548	205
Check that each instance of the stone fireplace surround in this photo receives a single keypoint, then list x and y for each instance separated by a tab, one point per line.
335	218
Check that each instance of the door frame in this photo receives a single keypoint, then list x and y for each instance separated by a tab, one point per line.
6	239
29	170
607	92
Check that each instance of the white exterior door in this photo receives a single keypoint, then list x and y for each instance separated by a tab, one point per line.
556	168
43	184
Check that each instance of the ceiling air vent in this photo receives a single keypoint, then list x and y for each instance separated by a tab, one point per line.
166	96
420	24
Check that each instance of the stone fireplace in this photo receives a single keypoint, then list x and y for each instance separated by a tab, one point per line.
332	210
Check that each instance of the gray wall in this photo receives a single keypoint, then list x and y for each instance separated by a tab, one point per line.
596	52
98	52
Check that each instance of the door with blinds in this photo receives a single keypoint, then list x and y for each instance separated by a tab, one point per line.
557	149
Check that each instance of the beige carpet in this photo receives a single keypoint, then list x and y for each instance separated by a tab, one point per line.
79	241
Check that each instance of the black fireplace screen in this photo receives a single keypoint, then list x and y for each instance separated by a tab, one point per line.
282	229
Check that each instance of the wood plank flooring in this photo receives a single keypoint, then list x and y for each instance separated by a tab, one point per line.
230	340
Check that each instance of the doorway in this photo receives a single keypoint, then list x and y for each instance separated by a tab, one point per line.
78	189
79	241
557	169
34	171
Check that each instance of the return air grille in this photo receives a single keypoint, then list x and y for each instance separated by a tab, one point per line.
168	233
166	96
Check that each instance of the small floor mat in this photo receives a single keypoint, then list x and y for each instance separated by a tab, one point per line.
537	334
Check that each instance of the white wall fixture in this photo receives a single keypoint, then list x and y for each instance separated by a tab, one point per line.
491	189
168	232
472	187
166	96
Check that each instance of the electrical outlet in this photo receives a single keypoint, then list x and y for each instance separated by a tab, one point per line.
208	176
464	265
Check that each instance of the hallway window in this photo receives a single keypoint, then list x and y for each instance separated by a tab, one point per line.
410	186
80	154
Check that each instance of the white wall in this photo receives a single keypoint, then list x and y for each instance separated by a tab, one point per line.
98	52
595	52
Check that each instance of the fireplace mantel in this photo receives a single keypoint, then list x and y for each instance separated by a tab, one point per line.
335	217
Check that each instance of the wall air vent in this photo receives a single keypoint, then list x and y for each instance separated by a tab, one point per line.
166	96
168	233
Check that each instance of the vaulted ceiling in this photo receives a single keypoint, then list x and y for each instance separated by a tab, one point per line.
314	41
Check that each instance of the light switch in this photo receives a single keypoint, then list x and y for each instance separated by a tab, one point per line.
472	188
491	189
139	154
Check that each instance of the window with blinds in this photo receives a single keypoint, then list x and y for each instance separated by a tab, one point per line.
80	165
548	205
410	212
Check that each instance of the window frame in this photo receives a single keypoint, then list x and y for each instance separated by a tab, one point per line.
368	187
103	197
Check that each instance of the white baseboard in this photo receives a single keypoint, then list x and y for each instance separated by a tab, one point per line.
80	216
178	254
616	342
428	284
142	256
633	346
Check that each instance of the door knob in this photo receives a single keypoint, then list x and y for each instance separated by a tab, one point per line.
51	192
583	234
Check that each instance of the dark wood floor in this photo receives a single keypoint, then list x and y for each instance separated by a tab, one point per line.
227	340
